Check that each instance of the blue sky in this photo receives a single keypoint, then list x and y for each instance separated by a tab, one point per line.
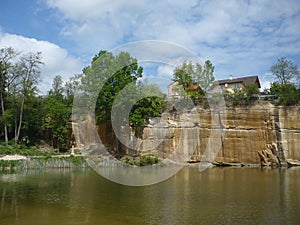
239	37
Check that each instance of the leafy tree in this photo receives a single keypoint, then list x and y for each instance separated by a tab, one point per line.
55	122
146	108
69	89
114	72
251	92
204	77
242	96
120	88
287	93
284	71
32	120
56	116
103	80
6	79
195	79
28	72
183	74
57	87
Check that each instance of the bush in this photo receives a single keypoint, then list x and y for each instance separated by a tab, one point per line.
287	93
242	96
143	160
21	150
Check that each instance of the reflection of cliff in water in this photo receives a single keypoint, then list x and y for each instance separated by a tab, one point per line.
80	196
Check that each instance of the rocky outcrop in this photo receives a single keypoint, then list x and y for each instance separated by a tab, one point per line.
262	134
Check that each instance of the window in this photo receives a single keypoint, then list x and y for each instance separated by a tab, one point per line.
235	86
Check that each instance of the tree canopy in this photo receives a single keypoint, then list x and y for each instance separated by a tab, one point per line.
19	77
285	71
194	78
109	73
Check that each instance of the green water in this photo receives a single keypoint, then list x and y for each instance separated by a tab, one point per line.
215	196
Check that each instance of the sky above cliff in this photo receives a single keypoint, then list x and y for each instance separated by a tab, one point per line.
239	37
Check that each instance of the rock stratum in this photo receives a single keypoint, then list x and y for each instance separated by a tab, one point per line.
262	134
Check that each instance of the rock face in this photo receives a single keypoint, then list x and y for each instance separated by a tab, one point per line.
263	134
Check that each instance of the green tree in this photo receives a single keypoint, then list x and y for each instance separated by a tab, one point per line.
103	80
57	87
114	72
7	77
28	73
146	108
284	71
70	88
195	79
287	93
32	120
251	92
204	76
56	116
242	96
183	74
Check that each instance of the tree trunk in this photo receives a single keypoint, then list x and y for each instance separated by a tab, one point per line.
5	123
20	121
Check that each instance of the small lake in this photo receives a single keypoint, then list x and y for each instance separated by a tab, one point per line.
216	196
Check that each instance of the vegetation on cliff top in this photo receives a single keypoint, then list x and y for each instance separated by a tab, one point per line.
193	81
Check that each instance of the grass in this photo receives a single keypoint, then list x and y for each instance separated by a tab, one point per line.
44	162
4	165
12	149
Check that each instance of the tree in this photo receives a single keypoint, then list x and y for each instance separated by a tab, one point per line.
57	87
195	79
284	71
114	72
28	72
56	114
183	74
204	77
6	79
251	92
70	88
55	119
146	108
287	93
242	96
103	80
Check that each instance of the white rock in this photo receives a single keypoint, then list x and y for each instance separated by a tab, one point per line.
12	157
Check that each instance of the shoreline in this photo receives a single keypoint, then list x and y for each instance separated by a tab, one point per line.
20	162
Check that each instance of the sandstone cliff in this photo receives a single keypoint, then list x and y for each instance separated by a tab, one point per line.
262	134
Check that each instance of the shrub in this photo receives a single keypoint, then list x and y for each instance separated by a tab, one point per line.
287	93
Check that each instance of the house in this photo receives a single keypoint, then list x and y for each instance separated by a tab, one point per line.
173	93
227	84
235	83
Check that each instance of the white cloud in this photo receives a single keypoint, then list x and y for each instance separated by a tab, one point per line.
91	9
57	60
239	37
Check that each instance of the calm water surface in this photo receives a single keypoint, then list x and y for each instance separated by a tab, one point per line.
215	196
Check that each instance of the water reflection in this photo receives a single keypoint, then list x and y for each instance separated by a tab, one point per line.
215	196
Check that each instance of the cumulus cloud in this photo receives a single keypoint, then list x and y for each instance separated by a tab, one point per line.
239	37
56	60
